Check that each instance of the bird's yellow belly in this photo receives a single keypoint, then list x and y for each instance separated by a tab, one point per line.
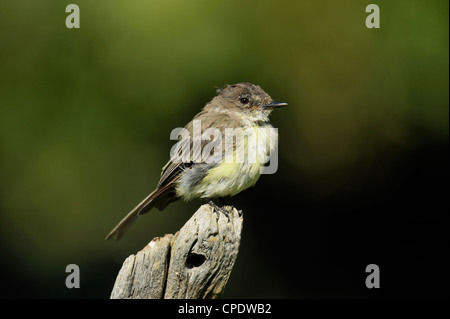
234	173
228	179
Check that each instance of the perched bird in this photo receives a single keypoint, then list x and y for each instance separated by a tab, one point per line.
221	154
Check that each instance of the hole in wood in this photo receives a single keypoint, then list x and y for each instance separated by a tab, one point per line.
195	260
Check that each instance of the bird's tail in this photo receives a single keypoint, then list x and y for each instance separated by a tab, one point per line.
131	217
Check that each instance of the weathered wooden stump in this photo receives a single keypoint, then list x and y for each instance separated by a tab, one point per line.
195	263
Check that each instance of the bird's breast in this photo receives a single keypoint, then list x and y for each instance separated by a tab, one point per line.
240	166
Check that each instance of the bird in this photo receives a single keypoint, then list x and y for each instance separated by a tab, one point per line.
215	165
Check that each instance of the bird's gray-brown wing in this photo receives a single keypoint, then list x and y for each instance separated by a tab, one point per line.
171	172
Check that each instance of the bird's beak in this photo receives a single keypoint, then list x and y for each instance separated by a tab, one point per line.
274	105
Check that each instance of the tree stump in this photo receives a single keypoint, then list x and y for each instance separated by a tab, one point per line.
195	263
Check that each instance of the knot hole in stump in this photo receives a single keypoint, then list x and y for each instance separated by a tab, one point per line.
194	260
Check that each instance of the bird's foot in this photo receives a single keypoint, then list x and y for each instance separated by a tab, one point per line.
219	210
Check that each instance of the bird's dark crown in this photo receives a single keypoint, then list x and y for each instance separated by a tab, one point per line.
246	95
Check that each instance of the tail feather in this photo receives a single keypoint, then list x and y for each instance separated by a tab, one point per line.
132	216
159	198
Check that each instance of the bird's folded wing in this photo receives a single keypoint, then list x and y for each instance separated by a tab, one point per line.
179	162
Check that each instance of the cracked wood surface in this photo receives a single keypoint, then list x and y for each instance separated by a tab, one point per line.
195	263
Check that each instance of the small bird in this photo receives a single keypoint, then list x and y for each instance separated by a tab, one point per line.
220	166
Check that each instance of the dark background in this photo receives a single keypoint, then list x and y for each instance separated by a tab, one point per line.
85	117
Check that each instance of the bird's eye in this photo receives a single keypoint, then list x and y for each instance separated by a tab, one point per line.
244	100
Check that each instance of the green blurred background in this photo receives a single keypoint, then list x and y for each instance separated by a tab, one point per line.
85	117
